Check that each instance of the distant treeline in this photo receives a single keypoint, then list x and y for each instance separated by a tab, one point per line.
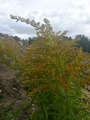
83	42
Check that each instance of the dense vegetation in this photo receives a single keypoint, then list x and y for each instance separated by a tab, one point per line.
82	42
52	69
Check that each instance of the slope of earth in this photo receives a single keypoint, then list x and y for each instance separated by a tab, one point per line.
12	95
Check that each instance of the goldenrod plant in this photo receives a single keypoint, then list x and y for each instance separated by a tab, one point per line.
10	52
53	73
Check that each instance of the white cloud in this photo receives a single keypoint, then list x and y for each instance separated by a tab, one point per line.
72	15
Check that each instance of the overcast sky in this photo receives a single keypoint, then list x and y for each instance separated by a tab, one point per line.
71	15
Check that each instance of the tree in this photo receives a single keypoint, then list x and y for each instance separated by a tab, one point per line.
83	42
31	40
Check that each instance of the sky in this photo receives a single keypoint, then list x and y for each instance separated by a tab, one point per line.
71	15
